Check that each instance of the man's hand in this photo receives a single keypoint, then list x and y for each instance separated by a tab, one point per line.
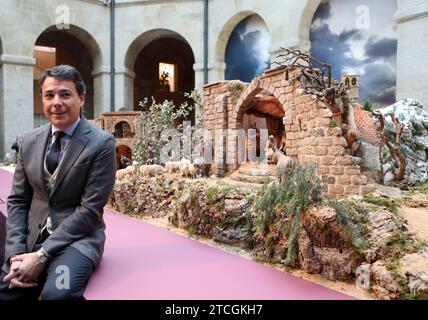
13	277
25	269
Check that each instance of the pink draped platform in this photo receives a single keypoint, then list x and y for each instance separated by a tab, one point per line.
142	261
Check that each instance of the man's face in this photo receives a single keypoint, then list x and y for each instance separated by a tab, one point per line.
61	102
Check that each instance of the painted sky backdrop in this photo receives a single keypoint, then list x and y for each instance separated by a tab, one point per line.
355	36
247	50
359	37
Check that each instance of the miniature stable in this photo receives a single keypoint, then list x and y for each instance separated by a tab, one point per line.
304	110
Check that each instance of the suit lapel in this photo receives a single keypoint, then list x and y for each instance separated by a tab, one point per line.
75	146
41	142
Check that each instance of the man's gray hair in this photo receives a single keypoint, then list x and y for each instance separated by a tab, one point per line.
64	72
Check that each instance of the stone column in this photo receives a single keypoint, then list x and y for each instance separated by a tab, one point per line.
101	90
198	67
17	106
412	51
216	71
199	84
124	89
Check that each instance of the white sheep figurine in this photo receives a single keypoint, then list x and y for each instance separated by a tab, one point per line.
189	170
284	164
173	166
151	170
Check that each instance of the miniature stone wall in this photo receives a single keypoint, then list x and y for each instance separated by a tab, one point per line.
108	121
310	134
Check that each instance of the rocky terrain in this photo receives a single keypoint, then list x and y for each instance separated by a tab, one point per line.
362	240
414	144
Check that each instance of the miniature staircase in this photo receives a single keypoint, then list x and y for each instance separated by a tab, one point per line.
254	173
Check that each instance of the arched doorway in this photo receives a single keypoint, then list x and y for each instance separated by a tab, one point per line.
162	61
74	47
264	113
164	70
247	50
122	150
123	130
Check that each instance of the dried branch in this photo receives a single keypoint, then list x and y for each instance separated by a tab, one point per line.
317	78
394	148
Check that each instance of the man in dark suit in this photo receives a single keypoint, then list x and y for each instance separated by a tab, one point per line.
63	177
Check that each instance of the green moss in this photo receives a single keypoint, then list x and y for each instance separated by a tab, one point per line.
419	131
353	218
333	124
249	230
235	89
389	203
226	190
368	105
211	194
394	249
423	188
261	258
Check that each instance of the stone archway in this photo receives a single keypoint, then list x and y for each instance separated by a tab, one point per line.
251	102
123	130
147	55
73	46
306	19
122	150
226	31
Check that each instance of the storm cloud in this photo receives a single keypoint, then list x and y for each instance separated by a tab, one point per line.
380	48
331	48
358	51
323	12
243	56
378	84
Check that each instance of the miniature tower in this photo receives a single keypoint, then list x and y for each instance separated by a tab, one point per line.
353	82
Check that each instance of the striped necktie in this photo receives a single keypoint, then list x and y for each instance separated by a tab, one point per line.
53	155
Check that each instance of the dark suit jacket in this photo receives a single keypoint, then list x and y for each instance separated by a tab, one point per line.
85	179
2	236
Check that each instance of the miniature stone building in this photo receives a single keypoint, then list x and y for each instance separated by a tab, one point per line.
124	126
353	82
311	136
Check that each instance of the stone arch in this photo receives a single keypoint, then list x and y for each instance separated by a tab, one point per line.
226	31
255	87
269	83
124	120
74	46
306	19
122	149
142	63
85	37
144	39
131	129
